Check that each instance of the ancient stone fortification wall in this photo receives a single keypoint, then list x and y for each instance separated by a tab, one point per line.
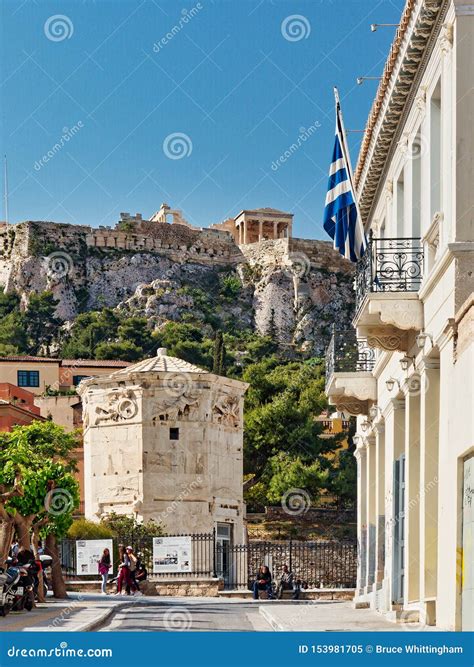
176	241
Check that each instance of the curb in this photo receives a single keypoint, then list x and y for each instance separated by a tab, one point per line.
90	626
276	625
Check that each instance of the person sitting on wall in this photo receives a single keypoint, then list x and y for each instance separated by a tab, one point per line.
263	582
287	583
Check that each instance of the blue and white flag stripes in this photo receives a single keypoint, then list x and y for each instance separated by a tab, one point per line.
342	219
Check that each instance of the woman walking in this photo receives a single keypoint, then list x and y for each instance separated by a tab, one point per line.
128	562
104	566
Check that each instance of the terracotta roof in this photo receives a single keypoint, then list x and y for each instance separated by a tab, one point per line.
383	85
394	95
29	358
96	363
161	363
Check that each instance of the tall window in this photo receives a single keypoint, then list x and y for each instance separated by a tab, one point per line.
400	205
416	151
28	378
435	151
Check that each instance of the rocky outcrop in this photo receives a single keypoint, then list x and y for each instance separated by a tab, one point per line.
289	288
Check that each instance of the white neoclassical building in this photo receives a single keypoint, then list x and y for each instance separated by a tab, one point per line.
163	440
406	368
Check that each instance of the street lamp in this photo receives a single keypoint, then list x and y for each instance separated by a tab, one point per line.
361	79
421	339
406	361
374	410
374	26
390	383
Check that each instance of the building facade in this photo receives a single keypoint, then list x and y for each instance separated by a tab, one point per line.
163	440
17	407
406	368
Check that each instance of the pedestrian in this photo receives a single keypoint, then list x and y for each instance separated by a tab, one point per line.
123	579
287	583
104	566
133	566
263	582
141	573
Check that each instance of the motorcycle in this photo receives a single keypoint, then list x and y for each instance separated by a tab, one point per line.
22	588
9	582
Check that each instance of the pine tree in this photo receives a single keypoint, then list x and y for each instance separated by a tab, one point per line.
219	354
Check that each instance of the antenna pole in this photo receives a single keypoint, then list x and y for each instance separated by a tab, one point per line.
5	192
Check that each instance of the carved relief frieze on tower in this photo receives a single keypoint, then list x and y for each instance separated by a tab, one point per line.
120	405
226	410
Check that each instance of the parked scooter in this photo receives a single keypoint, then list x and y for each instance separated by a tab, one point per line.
9	582
23	586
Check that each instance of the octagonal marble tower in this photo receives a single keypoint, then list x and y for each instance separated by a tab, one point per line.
163	439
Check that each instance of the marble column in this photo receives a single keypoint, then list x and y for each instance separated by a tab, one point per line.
379	429
360	455
412	489
371	508
260	230
429	442
394	417
245	231
275	230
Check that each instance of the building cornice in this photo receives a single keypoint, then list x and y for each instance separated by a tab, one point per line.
419	27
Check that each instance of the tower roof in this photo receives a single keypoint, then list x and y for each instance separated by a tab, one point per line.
161	363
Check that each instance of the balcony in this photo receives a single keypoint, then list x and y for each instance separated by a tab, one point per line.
350	385
387	281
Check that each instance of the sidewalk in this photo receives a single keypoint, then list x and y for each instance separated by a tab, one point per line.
79	613
334	616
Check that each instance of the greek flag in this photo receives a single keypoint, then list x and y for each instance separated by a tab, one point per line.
342	219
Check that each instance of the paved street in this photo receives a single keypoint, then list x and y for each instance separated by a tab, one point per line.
194	616
90	612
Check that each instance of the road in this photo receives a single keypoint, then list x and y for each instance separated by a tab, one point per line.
197	616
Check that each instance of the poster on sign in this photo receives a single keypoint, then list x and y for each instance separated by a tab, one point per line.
171	554
89	553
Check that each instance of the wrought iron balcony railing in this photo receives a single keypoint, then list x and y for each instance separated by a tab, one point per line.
346	353
389	265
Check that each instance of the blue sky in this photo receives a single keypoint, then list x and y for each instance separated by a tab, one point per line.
238	81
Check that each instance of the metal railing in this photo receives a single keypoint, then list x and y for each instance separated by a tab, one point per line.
321	564
389	265
346	353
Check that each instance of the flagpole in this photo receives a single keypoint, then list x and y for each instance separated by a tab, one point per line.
345	147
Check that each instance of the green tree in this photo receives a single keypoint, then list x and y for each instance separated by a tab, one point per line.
42	325
13	338
38	490
218	364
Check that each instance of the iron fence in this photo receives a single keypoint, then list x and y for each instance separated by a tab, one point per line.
348	353
320	564
389	265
